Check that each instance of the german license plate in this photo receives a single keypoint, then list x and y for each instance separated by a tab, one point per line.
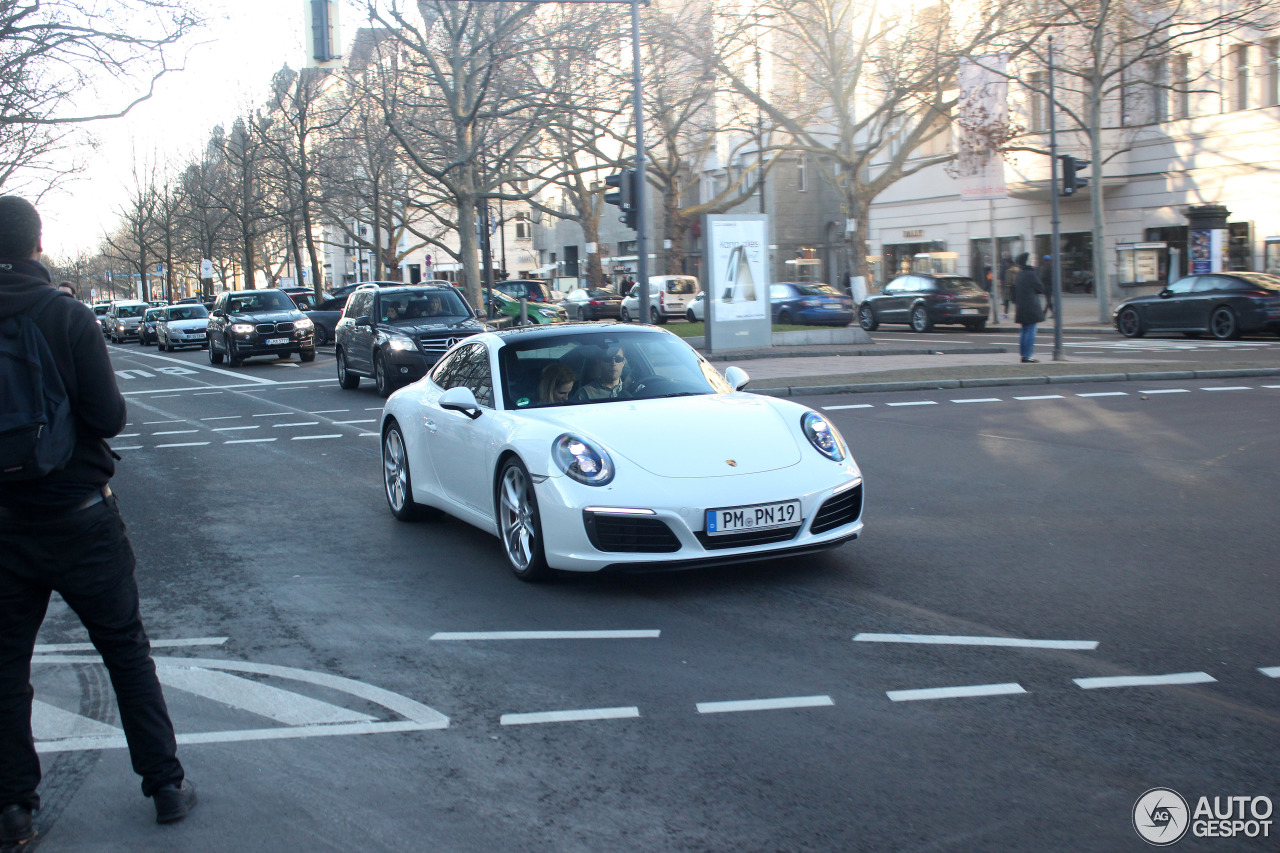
275	341
757	517
195	334
971	311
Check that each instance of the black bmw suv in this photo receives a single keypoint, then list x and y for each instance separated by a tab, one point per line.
395	333
246	323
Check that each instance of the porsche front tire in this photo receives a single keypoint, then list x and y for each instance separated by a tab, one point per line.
519	525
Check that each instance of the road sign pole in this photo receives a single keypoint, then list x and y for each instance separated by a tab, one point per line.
638	201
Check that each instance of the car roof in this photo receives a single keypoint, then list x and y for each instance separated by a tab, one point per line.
559	329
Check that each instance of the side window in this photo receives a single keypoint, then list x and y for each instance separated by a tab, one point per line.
1186	285
479	378
442	374
779	291
1207	283
923	284
358	304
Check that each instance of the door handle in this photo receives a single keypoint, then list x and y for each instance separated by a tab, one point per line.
430	425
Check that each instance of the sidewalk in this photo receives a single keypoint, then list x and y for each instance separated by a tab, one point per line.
976	359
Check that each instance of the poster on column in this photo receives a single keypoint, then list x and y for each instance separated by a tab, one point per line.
737	282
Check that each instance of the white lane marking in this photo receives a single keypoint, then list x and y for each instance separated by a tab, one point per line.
367	435
273	414
128	435
764	704
979	400
235	429
46	648
915	403
1144	680
223	417
1229	388
1271	386
367	421
374	409
947	640
1166	391
162	396
1105	394
301	423
248	440
954	692
329	412
1041	397
312	437
853	406
569	716
176	432
129	447
283	706
1270	671
184	444
205	393
259	385
418	717
49	722
154	423
545	635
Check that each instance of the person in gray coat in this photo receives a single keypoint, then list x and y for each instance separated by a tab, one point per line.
1028	301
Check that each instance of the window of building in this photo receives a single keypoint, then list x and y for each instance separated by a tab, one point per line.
802	175
1170	89
1240	99
1271	50
1038	102
522	226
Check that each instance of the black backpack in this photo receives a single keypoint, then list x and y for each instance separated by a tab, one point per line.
37	428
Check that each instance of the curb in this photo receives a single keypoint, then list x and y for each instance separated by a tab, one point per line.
943	384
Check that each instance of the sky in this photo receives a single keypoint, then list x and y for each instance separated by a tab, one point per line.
228	69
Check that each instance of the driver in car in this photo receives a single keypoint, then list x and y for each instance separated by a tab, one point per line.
608	381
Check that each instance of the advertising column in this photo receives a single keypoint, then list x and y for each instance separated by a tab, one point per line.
1207	243
737	284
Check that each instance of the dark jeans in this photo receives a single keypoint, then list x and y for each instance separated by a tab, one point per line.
86	557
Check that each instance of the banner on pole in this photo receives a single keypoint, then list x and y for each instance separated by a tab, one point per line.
981	127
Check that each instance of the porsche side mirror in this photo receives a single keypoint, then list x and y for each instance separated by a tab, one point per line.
1166	293
460	399
737	378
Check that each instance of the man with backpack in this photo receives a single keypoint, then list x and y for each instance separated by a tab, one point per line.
60	526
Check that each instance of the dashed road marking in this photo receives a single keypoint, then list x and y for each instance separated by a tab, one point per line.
915	403
298	424
184	444
546	635
949	640
1270	671
764	704
852	406
569	716
249	441
954	692
1105	394
1041	397
1144	680
979	400
1167	391
313	437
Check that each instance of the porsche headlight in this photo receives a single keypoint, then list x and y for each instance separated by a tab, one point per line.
823	436
582	460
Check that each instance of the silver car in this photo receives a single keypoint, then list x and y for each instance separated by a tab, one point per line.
183	326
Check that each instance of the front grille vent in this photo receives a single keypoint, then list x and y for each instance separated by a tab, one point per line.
838	510
269	328
629	534
749	537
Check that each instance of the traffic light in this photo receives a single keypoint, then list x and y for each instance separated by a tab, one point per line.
1070	180
631	213
622	195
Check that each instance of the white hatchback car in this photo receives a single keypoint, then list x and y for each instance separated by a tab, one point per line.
669	296
544	437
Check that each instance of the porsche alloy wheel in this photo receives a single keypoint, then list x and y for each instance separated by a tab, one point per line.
518	523
395	475
1130	324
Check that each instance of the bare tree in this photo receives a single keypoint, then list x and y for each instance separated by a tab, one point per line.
1114	70
244	190
55	52
133	241
205	223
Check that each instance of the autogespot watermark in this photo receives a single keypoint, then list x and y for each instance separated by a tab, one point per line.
1162	817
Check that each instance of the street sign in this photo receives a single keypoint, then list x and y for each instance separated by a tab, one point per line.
206	268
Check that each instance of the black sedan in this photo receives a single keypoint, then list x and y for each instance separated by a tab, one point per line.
324	314
592	304
924	300
1225	305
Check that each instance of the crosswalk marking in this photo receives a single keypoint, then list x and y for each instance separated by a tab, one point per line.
49	722
284	706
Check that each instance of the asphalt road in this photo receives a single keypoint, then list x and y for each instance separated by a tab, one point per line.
312	645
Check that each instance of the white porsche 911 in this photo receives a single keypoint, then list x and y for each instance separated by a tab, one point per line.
592	447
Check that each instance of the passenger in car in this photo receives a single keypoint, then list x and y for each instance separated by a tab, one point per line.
556	384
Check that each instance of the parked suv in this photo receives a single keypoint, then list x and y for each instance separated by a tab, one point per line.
395	333
924	300
247	323
669	296
123	319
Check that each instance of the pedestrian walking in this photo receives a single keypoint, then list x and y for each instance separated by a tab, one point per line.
1006	285
1027	293
61	529
1045	273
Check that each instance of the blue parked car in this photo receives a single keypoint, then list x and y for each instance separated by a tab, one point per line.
810	303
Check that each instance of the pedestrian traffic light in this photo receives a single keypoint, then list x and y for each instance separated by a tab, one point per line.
1070	180
622	195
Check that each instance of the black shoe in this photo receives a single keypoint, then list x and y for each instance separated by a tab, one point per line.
15	826
1031	361
174	801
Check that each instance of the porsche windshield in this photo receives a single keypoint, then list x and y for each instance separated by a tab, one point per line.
577	369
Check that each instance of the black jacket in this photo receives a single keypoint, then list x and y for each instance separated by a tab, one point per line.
76	340
1027	293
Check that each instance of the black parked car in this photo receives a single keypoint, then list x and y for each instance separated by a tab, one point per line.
592	304
247	323
924	300
1225	305
147	329
324	314
395	333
